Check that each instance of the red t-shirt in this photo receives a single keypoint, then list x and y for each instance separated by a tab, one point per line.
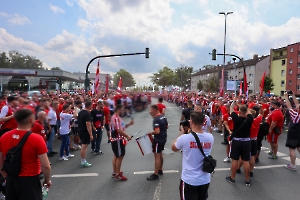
266	107
229	120
251	105
106	112
161	107
255	126
223	110
276	116
38	128
34	146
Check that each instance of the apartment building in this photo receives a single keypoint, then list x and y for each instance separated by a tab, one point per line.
293	68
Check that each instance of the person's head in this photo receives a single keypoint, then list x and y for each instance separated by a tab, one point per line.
227	106
190	103
198	107
275	104
196	120
185	125
100	104
41	116
160	99
66	107
12	101
44	103
250	99
154	111
24	117
88	105
256	111
119	109
55	106
243	109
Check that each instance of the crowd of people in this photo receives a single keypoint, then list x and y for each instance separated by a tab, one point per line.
79	120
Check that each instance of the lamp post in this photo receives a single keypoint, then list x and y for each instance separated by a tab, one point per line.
225	14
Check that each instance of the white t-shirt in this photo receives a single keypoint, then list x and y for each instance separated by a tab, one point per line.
206	124
52	117
111	104
129	101
65	120
4	111
192	159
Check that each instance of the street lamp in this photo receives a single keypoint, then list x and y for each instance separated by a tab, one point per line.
225	14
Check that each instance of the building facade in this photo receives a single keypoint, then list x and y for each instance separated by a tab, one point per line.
293	68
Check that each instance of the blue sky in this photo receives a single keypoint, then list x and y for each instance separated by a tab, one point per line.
68	33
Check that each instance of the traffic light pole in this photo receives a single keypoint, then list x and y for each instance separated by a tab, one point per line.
226	54
147	53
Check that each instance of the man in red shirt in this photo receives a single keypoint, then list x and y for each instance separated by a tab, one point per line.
228	123
275	119
38	126
161	106
251	102
6	115
34	157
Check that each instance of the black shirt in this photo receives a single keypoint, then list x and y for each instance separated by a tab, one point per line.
97	117
83	117
160	122
244	132
187	113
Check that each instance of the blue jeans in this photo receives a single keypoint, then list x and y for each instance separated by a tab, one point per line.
65	141
50	139
97	137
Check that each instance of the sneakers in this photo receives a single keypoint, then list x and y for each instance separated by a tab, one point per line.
153	177
77	147
160	172
98	153
63	158
120	177
230	180
248	183
251	174
273	157
227	160
86	164
270	153
290	167
70	156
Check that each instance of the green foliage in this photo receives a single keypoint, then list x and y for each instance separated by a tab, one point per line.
164	77
212	84
200	85
14	59
55	68
127	78
268	85
183	76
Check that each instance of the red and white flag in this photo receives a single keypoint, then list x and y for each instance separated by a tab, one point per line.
245	83
97	79
222	84
119	88
262	84
241	88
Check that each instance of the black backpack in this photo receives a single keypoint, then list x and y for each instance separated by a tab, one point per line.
12	161
263	129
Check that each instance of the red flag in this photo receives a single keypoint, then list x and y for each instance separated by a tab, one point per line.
97	80
119	89
245	83
262	83
106	86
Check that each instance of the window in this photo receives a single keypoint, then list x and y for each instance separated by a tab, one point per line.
290	82
280	53
298	76
292	49
291	61
282	72
291	71
281	93
298	87
250	83
250	75
250	91
298	53
298	65
282	83
251	68
282	62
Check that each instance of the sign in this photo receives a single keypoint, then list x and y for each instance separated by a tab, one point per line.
231	85
17	71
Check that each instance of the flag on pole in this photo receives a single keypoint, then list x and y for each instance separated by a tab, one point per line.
245	83
262	83
97	79
106	85
241	88
119	88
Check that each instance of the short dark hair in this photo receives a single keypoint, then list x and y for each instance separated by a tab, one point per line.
160	99
190	102
65	106
88	104
118	107
197	118
243	109
22	116
155	107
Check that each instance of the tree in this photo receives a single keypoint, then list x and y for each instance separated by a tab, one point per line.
163	77
212	84
200	85
183	76
127	78
55	68
268	85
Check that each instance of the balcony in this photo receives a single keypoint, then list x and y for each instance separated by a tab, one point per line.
279	57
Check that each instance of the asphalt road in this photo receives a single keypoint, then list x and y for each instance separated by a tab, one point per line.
70	182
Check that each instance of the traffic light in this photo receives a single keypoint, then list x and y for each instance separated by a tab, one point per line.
214	54
147	53
225	75
220	74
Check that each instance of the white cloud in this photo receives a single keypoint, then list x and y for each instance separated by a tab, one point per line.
70	2
17	19
3	14
56	9
203	2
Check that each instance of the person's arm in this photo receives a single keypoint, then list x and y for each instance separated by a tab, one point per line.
272	125
232	107
46	169
174	147
227	127
3	114
287	101
121	132
295	101
89	128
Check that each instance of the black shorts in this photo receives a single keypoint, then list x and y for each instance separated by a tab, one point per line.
293	144
118	148
226	134
253	150
23	188
85	138
111	112
74	130
190	192
240	149
259	142
107	127
157	147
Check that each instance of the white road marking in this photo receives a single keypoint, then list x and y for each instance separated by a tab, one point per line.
74	175
150	172
171	124
264	148
157	191
281	154
222	169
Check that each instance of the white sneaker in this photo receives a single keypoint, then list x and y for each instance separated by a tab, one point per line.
78	147
63	158
70	156
227	160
